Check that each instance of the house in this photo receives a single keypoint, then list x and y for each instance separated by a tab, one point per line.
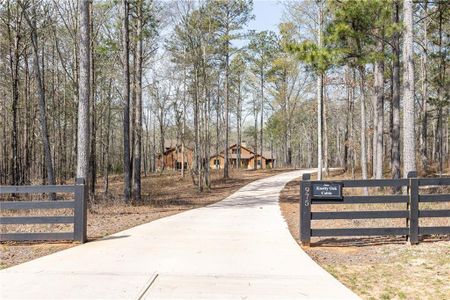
247	159
172	158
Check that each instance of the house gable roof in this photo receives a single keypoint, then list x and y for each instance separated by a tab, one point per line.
243	147
171	149
266	154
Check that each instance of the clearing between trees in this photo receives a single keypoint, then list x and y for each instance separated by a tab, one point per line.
162	195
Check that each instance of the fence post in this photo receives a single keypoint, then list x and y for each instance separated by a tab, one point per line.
305	210
81	196
413	208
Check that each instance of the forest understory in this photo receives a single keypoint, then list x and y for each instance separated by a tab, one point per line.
163	195
376	267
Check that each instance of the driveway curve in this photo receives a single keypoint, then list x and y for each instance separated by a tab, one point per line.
239	248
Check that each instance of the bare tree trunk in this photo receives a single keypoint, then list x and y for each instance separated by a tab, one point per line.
424	131
84	93
183	128
28	126
379	91
107	142
138	139
353	156
261	124
363	124
440	117
196	127
319	103
42	106
395	134
217	119
14	43
439	138
347	136
126	102
372	151
238	123
227	101
154	145
162	137
319	126
93	132
409	139
325	131
206	111
255	111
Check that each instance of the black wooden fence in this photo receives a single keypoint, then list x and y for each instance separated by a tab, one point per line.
412	212
78	205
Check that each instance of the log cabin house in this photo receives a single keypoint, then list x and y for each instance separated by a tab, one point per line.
173	157
248	159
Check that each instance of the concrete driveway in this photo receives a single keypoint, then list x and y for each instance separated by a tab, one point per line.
239	248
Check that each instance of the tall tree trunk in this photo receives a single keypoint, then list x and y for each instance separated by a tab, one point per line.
126	102
93	115
347	141
107	142
409	139
261	123
319	101
379	91
363	124
353	156
154	145
424	131
227	101
255	136
217	119
395	133
14	67
196	125
238	124
183	128
319	126
84	92
138	138
441	89
372	151
162	137
48	162
325	130
28	125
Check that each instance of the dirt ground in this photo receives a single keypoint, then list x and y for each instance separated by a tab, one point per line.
377	268
162	195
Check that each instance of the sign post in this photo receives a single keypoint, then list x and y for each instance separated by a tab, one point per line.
305	210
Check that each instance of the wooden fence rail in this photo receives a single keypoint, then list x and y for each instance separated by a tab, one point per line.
78	205
412	212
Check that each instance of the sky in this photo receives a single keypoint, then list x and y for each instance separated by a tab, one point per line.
268	15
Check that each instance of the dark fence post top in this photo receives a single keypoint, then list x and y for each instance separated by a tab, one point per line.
412	174
79	181
306	176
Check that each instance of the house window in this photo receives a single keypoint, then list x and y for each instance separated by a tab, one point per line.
216	162
179	165
234	151
259	163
